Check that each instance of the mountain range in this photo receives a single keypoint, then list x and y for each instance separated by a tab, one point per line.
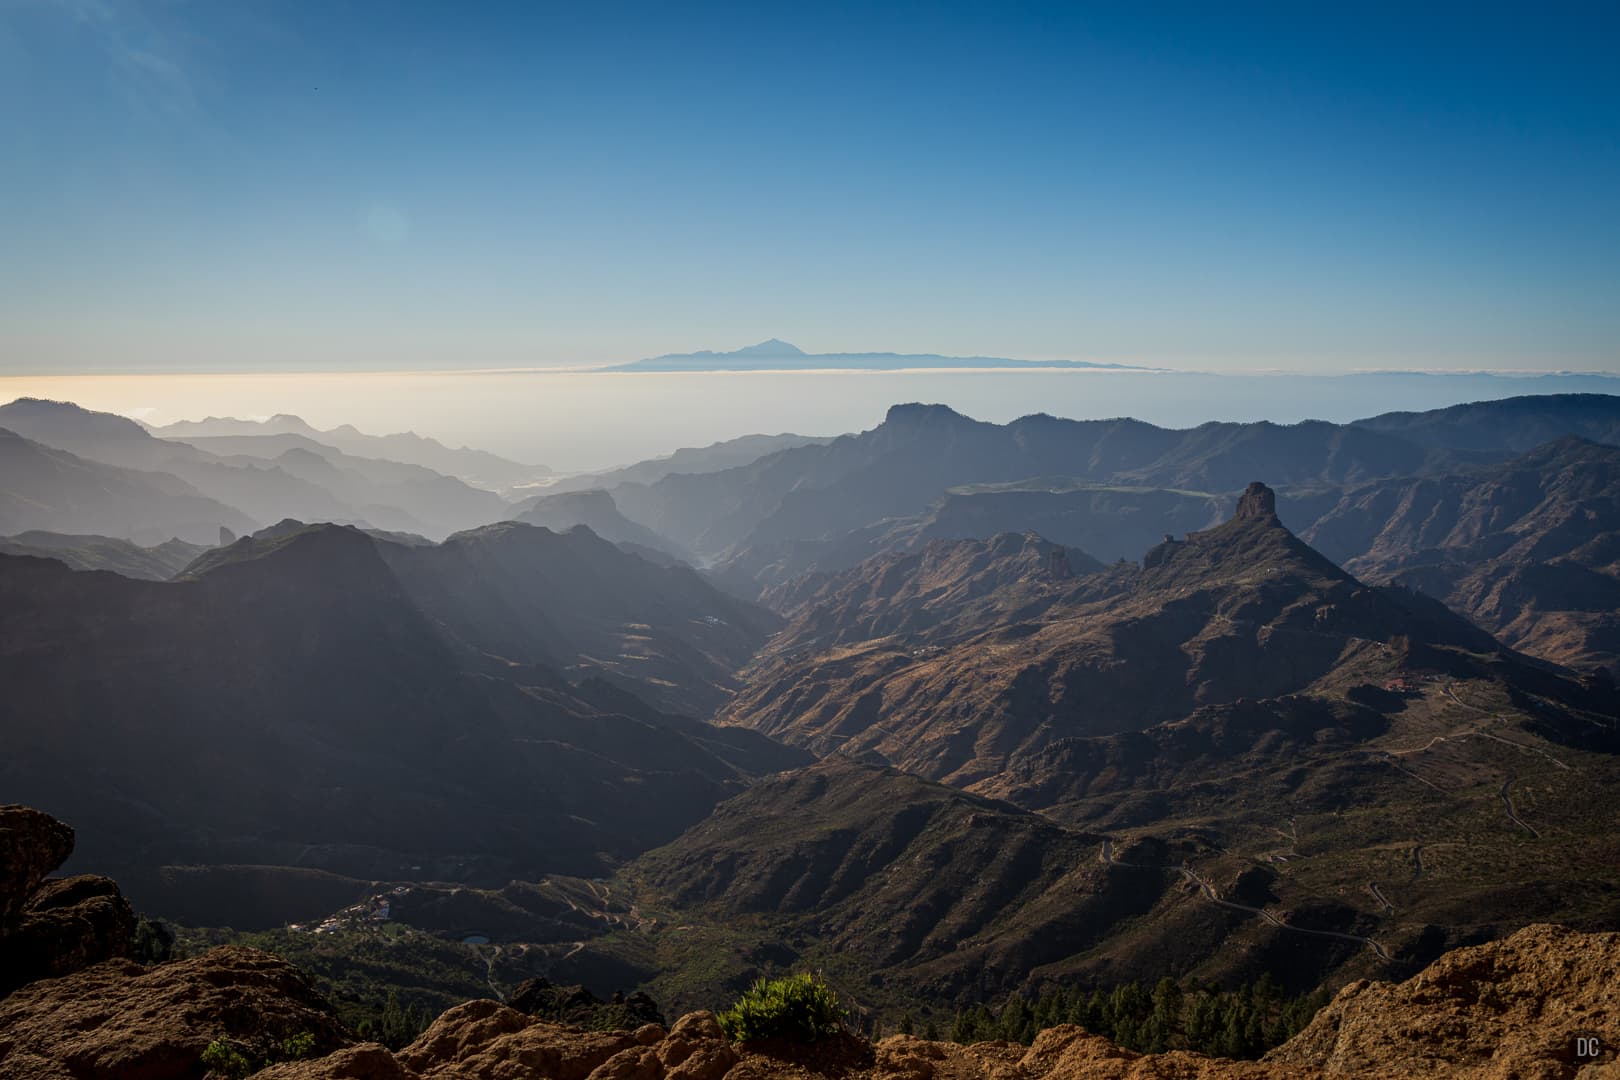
1233	758
952	710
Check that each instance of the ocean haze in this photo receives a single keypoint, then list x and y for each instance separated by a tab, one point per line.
581	420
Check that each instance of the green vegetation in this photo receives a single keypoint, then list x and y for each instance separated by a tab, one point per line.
388	983
152	942
297	1047
225	1058
397	1026
1242	1023
234	1060
801	1008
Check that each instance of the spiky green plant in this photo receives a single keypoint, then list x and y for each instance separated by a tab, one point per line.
802	1008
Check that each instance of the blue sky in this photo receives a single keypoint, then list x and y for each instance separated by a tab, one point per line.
349	186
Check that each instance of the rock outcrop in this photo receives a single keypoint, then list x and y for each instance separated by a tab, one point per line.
1257	501
1510	1008
32	844
52	926
119	1019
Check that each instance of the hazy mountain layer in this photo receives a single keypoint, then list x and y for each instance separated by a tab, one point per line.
474	466
300	701
42	488
726	454
307	482
596	510
157	563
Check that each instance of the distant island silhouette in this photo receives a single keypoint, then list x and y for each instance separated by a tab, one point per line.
777	355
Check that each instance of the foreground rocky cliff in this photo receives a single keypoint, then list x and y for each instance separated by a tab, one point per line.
1514	1008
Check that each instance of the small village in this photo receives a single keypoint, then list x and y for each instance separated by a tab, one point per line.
372	910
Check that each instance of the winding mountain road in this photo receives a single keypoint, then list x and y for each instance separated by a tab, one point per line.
1209	893
1507	801
1383	900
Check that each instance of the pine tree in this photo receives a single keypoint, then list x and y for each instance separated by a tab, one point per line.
1204	1023
1166	1016
1016	1022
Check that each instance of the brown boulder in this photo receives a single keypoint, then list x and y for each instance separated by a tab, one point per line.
1069	1053
488	1039
68	924
52	927
118	1019
368	1061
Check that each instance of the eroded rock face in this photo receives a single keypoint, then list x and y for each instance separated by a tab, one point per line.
32	844
1509	1008
1257	501
486	1038
68	924
51	927
117	1019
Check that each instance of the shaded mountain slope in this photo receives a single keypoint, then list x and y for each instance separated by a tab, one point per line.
1530	549
596	510
874	864
521	594
288	702
963	582
1108	521
1513	424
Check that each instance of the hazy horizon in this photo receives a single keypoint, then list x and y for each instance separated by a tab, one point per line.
583	421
